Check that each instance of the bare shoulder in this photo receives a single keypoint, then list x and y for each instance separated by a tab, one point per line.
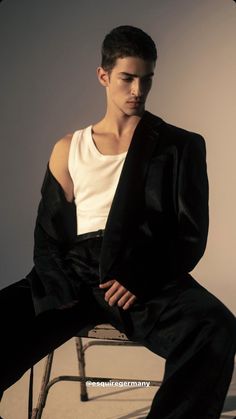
58	164
61	148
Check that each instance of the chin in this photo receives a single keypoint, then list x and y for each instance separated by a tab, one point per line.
134	112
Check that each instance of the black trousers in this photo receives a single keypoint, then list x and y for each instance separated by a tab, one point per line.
194	332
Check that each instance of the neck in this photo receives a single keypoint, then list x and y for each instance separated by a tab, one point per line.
119	124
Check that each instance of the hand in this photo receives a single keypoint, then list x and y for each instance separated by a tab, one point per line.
118	294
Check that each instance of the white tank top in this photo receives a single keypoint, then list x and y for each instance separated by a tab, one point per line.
95	177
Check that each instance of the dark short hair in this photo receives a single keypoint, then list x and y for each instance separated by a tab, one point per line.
127	41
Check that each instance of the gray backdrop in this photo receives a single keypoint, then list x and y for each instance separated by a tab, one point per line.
49	53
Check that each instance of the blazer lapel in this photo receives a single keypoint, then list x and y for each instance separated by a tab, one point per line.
127	203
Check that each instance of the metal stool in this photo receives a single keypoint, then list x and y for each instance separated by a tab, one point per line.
105	335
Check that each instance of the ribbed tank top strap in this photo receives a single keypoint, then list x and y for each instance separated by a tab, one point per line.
73	154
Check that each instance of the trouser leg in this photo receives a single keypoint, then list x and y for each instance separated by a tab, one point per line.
196	335
26	338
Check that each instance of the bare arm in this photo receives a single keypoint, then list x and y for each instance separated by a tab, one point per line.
58	164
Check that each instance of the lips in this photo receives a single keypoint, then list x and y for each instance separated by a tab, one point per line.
137	102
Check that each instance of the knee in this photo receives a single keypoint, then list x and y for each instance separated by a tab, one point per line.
222	325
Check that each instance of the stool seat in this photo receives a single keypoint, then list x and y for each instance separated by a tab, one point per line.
106	331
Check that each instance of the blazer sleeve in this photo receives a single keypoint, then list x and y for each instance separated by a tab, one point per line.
192	206
52	279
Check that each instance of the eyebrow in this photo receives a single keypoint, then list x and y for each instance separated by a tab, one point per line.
123	73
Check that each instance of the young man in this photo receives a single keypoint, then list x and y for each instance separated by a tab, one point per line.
122	221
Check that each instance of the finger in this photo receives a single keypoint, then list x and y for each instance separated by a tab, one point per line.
124	298
129	303
115	298
113	290
107	284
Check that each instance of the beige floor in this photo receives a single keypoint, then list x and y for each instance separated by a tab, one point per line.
105	403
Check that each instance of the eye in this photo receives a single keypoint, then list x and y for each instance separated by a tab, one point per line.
147	79
127	79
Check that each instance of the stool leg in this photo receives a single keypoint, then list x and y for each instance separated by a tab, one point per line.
30	397
81	364
37	412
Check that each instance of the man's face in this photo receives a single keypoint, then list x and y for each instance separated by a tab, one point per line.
128	85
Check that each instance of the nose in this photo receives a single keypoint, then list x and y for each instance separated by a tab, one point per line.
136	89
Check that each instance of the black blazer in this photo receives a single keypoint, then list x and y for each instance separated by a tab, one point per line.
157	226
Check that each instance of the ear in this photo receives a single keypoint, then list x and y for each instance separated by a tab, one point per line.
103	76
